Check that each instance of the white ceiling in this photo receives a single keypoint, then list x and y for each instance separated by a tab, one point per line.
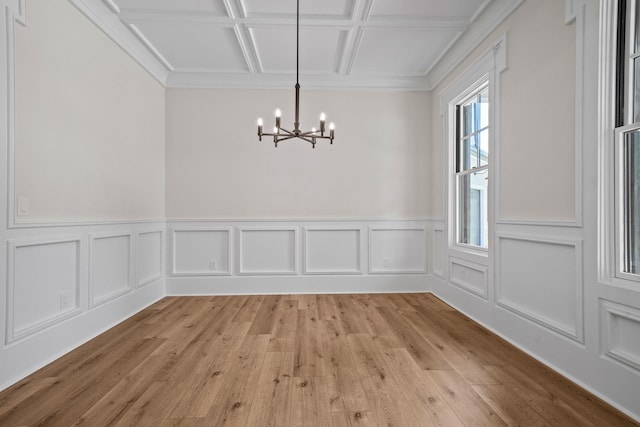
251	43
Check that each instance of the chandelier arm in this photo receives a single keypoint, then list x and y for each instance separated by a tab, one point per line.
284	138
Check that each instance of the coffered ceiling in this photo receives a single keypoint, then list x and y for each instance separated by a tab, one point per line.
343	43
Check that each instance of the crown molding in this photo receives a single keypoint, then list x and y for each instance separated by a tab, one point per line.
494	13
102	15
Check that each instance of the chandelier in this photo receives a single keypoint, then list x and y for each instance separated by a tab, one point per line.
281	134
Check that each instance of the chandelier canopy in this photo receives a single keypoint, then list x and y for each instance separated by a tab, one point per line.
281	134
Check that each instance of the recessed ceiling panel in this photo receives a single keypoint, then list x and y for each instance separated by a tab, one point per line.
307	8
213	7
195	47
320	49
399	51
425	8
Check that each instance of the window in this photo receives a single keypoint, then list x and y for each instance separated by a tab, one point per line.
627	117
471	167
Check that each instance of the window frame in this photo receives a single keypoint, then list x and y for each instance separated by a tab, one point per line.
624	123
459	172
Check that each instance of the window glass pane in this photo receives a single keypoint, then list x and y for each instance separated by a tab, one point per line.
636	90
475	113
483	100
469	118
632	202
483	147
472	208
470	152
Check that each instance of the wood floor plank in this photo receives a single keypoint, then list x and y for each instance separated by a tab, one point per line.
541	399
459	357
232	403
420	349
284	329
309	356
249	309
352	323
310	402
510	407
387	409
345	389
428	402
271	404
467	405
351	419
266	316
406	360
327	309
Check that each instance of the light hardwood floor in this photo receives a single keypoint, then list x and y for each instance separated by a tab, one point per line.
300	360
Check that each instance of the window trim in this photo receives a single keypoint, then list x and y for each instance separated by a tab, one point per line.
487	66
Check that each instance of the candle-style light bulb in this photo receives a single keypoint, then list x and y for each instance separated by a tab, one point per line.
323	117
313	137
278	115
259	129
331	129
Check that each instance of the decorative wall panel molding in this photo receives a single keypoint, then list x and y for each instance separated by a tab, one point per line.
469	276
110	266
397	250
332	250
43	284
201	251
439	252
620	333
268	251
66	284
550	296
310	256
149	257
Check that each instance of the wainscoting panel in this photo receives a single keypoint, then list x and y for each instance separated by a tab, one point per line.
201	252
311	256
469	276
397	250
332	250
268	251
43	286
620	330
541	280
110	268
439	251
149	256
68	283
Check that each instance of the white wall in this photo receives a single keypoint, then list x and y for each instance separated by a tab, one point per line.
537	126
376	168
89	140
87	150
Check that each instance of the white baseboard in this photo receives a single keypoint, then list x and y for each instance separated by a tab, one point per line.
297	285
